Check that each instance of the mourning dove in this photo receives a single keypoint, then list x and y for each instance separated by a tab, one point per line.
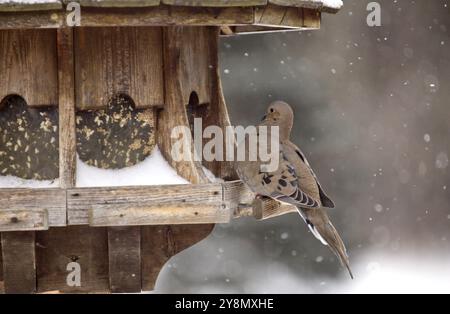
293	181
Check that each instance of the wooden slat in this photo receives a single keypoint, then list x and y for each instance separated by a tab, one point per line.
216	3
268	208
278	16
146	16
53	200
22	220
20	5
80	201
67	136
157	214
118	60
311	18
2	287
19	262
116	3
159	243
124	247
28	65
187	71
58	247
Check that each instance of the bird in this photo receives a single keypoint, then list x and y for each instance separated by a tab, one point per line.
293	181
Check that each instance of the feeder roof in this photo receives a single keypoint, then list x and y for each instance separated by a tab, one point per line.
234	16
331	6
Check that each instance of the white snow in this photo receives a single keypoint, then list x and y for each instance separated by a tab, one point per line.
154	170
335	4
15	182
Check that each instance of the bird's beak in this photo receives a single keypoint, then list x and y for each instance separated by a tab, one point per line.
264	118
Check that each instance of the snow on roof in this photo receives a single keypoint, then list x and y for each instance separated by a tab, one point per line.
36	5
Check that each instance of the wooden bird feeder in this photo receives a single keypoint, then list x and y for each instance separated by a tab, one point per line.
110	90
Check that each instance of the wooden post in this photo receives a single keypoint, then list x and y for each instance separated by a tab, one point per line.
67	135
19	262
124	244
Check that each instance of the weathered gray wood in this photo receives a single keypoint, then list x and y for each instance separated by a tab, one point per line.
28	65
23	220
2	287
145	16
278	16
58	247
216	3
19	262
81	200
124	247
52	200
116	3
118	60
311	18
20	5
159	243
157	214
67	137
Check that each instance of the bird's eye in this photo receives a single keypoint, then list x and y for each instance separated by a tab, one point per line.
271	110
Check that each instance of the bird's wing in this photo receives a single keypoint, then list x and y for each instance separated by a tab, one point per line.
283	185
324	199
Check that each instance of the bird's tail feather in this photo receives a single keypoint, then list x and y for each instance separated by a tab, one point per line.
323	229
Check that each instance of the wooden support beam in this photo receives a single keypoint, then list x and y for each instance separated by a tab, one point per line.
157	214
23	220
66	90
19	262
145	16
124	247
142	198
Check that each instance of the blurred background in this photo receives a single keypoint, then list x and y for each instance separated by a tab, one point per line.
372	109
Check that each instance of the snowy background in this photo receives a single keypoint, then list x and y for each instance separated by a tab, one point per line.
373	114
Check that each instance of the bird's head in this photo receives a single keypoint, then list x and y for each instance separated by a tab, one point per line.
280	114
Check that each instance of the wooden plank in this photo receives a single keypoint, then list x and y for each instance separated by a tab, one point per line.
2	286
58	247
118	60
266	208
80	200
28	65
53	200
19	262
116	3
157	214
124	246
187	74
67	135
216	3
20	5
278	16
146	16
23	220
159	243
311	18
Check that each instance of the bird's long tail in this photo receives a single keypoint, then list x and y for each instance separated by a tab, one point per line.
322	228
